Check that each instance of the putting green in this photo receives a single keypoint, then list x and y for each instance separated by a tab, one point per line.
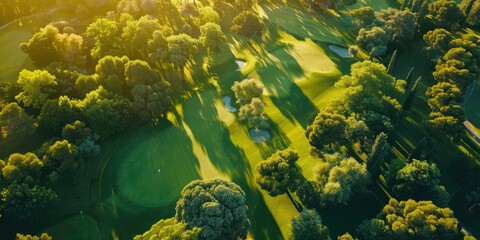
13	58
79	228
156	164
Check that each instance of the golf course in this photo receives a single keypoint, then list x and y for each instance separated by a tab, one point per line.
138	174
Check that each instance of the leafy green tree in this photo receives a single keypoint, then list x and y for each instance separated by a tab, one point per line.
374	229
374	40
104	33
419	220
23	201
61	158
58	112
158	48
136	34
443	94
309	226
170	229
356	130
370	88
139	72
278	173
37	87
420	180
437	42
253	113
188	10
246	90
22	168
106	113
445	14
400	24
327	128
43	236
181	49
76	132
376	122
471	8
362	17
15	121
457	66
340	178
212	36
309	194
217	206
247	24
152	101
43	48
448	125
208	14
345	236
111	73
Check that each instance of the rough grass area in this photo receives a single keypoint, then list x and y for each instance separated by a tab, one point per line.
81	227
12	58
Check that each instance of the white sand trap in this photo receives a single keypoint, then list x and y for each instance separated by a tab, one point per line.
259	136
228	106
241	64
340	51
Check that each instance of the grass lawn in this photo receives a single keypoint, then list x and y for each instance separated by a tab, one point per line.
81	227
472	108
13	58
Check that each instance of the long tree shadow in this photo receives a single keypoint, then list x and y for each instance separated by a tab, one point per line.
278	74
201	115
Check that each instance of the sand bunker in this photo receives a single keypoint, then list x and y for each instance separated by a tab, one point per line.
259	136
228	106
340	51
241	64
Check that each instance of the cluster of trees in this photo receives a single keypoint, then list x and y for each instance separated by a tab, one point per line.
379	30
214	209
249	96
471	8
456	68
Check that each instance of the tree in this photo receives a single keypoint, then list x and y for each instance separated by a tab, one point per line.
246	90
419	220
22	168
471	9
217	206
152	101
374	40
170	229
420	180
14	121
212	36
340	178
457	66
308	226
111	73
437	42
379	151
104	33
61	158
43	48
23	201
58	112
327	128
400	24
362	17
158	48
139	72
278	173
43	236
370	88
445	14
356	130
37	86
105	113
136	34
345	236
377	123
181	49
309	193
374	229
451	126
188	10
208	14
247	24
253	112
443	94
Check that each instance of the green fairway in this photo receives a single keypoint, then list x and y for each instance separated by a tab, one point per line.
472	108
81	227
155	166
13	58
